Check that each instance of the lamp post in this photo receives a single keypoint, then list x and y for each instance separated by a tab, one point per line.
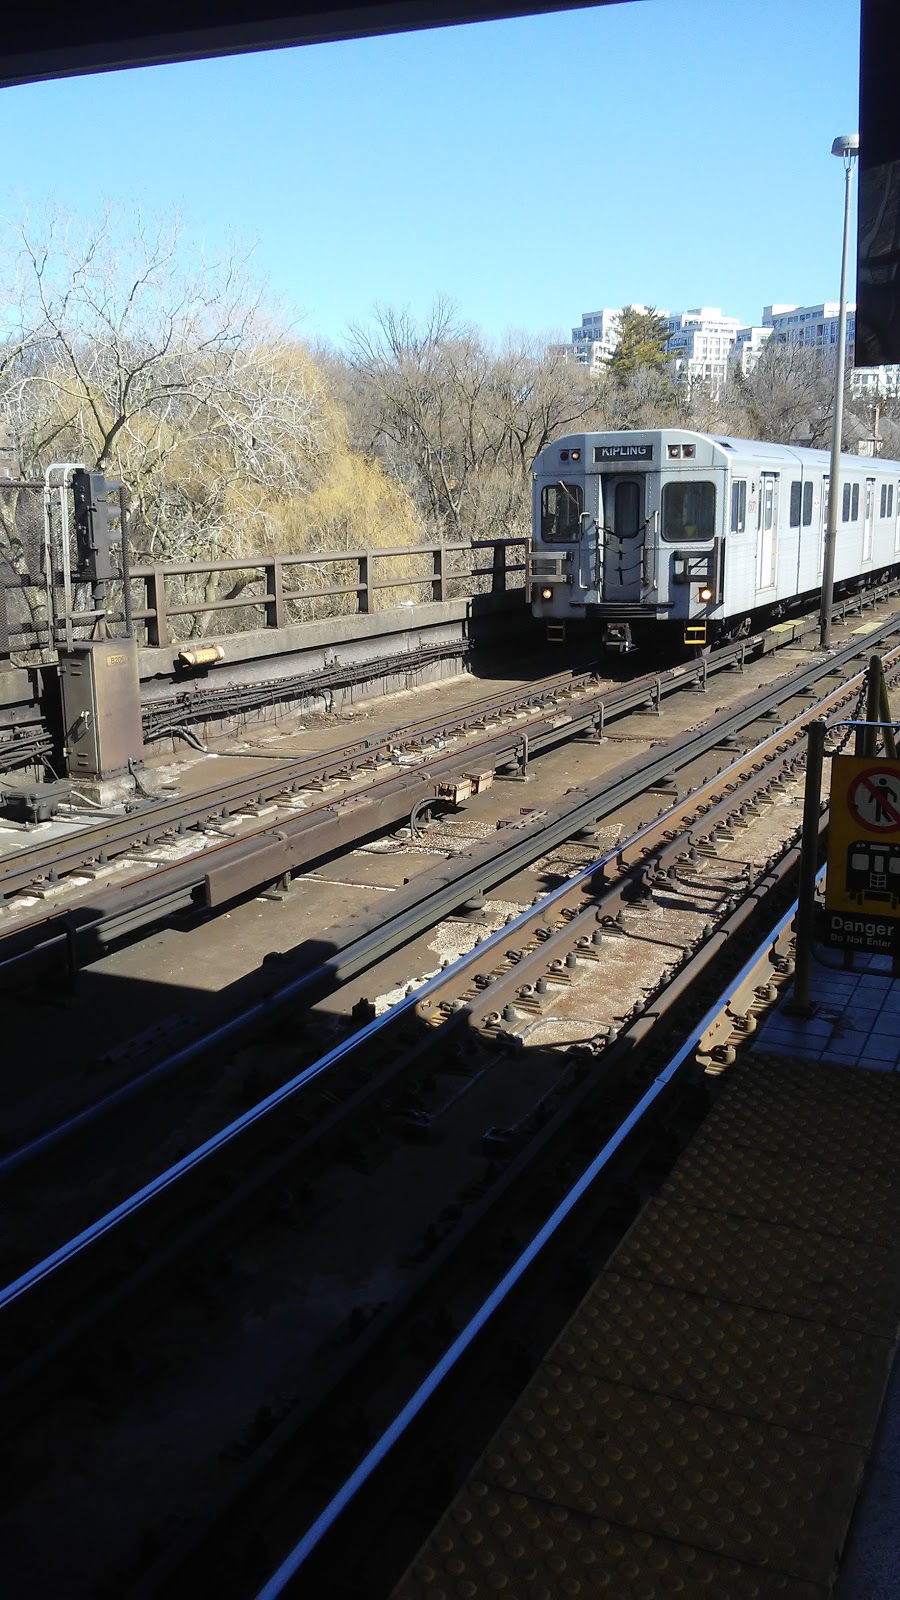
846	146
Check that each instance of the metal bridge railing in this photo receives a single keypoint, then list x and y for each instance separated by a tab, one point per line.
264	581
237	595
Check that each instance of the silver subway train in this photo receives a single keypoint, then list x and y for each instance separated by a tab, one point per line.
663	533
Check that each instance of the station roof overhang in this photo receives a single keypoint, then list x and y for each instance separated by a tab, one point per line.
102	36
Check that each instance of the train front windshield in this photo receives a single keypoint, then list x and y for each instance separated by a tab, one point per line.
561	508
688	511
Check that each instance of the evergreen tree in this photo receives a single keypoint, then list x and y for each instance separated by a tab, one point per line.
643	336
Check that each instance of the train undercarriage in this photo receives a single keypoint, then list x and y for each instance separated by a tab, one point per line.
627	629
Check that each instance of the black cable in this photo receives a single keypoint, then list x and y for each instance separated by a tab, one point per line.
176	729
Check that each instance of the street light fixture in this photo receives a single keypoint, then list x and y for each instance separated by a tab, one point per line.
847	147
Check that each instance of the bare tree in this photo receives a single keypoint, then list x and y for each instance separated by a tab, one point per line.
457	422
787	398
127	351
160	371
642	397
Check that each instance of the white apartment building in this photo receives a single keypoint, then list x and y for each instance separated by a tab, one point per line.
816	328
748	344
700	345
812	326
703	342
698	348
595	341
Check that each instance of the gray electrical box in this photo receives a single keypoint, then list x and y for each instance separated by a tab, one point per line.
101	703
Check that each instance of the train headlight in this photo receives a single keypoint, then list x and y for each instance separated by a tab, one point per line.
706	592
546	594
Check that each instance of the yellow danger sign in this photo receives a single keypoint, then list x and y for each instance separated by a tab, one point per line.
862	885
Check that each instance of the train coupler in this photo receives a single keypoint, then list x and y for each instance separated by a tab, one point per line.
617	636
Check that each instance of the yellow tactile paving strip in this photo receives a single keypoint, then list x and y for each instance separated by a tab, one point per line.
701	1425
778	1369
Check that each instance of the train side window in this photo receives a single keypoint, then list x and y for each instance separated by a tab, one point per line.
854	502
561	508
845	514
738	505
807	504
882	509
890	510
796	491
688	511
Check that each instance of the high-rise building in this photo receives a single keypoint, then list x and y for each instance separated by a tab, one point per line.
595	340
748	346
703	342
816	328
700	346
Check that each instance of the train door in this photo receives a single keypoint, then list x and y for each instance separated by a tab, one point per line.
869	523
623	541
824	526
591	571
766	536
892	488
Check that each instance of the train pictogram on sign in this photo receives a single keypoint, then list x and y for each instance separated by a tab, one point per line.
873	871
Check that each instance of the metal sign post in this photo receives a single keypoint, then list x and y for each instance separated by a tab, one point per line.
809	861
862	884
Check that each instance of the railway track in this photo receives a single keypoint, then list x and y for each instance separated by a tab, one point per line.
421	905
65	900
440	1056
349	1546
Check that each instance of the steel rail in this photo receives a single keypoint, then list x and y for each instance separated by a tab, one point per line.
263	1494
291	1565
207	704
424	901
62	1270
232	867
291	773
380	1346
67	1258
263	1481
184	813
638	1029
223	871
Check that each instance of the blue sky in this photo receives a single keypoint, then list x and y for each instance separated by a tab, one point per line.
675	152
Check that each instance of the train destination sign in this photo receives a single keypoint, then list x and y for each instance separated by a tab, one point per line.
623	452
862	886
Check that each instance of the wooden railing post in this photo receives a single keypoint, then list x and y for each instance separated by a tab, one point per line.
437	581
155	600
365	594
275	615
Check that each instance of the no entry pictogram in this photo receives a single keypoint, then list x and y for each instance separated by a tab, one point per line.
873	799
